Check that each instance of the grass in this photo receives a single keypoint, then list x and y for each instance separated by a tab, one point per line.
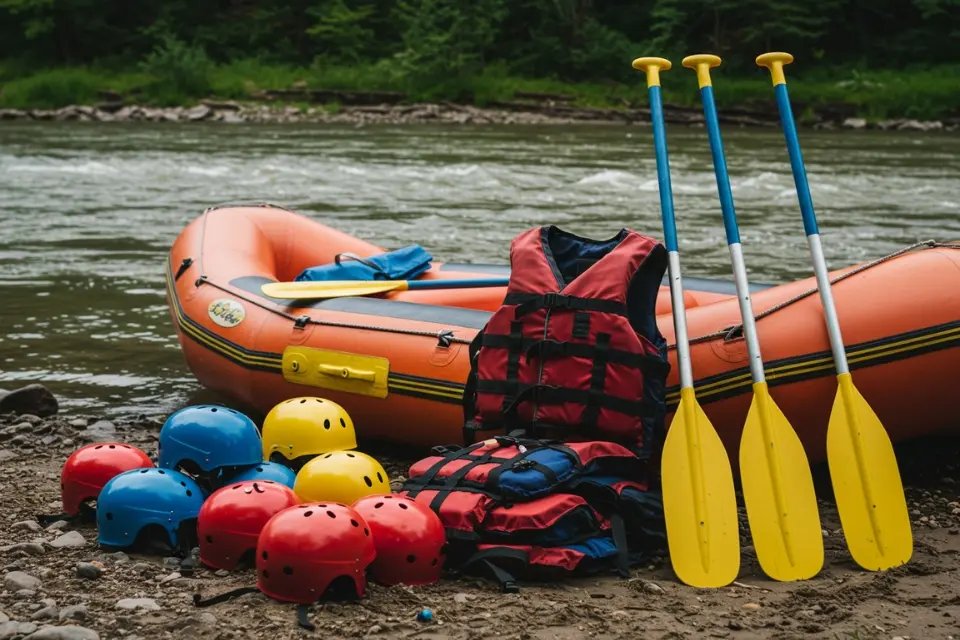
926	93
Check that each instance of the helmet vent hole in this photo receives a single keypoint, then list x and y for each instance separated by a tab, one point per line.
319	400
182	483
210	539
161	472
378	505
366	531
288	570
403	506
327	456
214	410
266	574
109	516
125	446
189	493
411	558
264	554
260	469
350	455
307	514
433	563
303	401
379	477
323	506
112	447
355	523
342	423
368	481
99	446
331	514
143	471
326	423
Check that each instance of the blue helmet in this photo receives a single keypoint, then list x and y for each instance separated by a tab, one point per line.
267	471
141	497
206	438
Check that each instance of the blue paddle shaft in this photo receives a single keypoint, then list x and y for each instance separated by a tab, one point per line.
720	165
796	160
457	284
663	169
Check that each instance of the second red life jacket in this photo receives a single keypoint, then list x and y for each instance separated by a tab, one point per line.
575	345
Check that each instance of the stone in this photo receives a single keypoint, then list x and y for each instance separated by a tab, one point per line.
101	431
68	632
46	613
69	540
652	587
6	454
88	570
74	612
30	548
18	581
34	399
199	112
130	604
855	123
8	629
4	617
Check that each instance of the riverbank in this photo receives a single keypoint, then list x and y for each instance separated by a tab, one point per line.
58	585
232	112
247	91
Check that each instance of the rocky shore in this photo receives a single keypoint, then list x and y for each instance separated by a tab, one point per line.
529	113
58	585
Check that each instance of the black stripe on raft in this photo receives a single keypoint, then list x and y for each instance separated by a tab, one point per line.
711	389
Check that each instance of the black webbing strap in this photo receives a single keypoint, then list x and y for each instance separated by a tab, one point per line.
549	394
530	302
598	380
86	514
198	600
619	529
515	347
549	348
508	584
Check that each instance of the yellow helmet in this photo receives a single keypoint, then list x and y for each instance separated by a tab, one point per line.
341	476
300	428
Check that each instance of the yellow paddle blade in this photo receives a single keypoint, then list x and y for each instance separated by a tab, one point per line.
699	502
866	482
778	492
331	288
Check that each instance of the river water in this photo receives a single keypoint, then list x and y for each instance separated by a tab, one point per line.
89	210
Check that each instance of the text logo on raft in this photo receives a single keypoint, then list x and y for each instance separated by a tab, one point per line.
226	312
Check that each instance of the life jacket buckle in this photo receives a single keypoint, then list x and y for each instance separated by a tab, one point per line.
556	301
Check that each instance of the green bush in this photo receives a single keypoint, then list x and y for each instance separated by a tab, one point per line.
180	71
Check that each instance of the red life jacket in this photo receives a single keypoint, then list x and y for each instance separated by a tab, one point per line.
535	509
575	345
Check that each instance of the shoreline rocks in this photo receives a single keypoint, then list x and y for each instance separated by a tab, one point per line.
230	112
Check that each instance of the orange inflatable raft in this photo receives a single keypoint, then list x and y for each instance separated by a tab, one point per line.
397	363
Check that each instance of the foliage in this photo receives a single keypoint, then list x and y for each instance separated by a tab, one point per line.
457	49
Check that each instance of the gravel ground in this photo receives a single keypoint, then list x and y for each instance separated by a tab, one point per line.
58	585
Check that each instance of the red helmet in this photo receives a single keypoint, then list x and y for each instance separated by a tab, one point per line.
303	549
409	537
230	520
92	466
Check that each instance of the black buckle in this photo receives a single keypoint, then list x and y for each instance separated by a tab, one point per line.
556	301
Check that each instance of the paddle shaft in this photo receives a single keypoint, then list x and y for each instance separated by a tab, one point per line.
670	237
476	283
810	227
733	234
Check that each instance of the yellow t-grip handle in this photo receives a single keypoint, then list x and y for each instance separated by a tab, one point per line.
652	67
346	372
775	61
702	63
